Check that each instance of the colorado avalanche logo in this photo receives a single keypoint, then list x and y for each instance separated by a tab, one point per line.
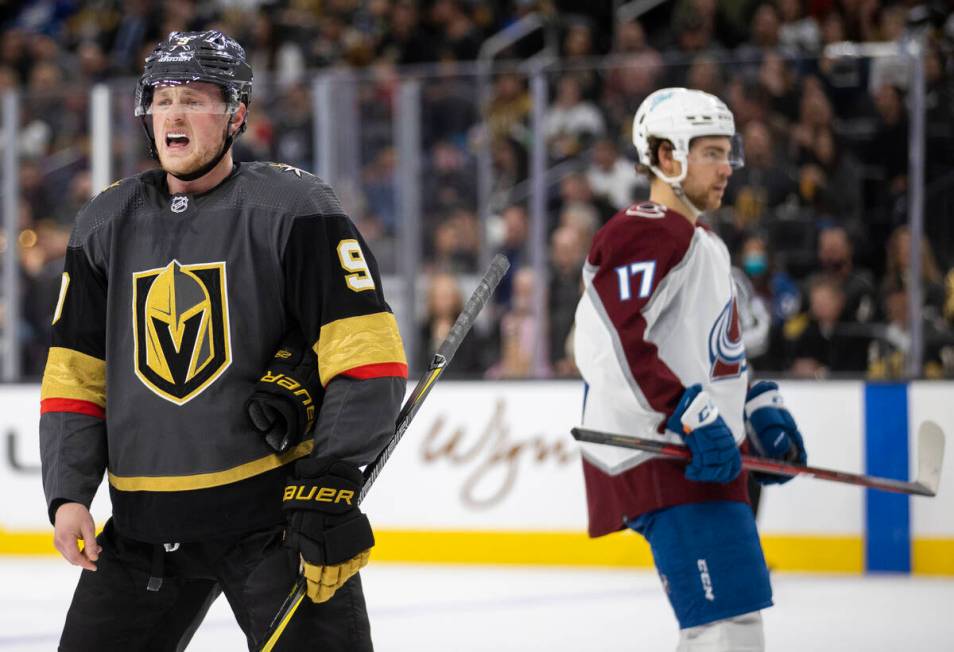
726	350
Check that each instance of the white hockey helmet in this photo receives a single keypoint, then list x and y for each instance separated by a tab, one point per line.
679	115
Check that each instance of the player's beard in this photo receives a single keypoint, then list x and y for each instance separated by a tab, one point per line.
704	199
199	158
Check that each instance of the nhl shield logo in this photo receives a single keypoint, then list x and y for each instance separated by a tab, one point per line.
179	203
726	350
181	328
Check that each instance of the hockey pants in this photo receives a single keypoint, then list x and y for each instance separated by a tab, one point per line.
113	610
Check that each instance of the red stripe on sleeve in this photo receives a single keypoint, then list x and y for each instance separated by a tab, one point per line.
379	370
71	405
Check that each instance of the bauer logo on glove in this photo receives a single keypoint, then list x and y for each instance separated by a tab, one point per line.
332	537
286	399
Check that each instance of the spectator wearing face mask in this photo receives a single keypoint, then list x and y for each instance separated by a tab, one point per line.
777	291
777	288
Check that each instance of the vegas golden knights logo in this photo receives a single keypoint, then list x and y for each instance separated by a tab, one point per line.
181	328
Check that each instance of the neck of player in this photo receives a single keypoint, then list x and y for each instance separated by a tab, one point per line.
662	193
206	182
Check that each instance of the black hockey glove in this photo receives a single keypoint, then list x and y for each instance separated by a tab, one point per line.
325	526
287	397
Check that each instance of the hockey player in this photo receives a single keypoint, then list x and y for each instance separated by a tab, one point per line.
659	345
179	285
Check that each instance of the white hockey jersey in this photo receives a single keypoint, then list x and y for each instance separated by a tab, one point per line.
658	314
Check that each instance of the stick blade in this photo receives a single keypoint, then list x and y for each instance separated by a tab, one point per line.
930	455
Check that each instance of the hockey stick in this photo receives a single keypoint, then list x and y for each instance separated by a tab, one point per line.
930	458
440	361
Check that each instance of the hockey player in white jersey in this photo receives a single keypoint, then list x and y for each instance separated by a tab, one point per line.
659	344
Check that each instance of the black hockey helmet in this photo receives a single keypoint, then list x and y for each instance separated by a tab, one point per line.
184	57
208	56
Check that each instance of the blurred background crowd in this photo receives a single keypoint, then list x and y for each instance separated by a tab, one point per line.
816	221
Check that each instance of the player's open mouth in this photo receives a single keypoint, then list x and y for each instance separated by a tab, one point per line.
177	141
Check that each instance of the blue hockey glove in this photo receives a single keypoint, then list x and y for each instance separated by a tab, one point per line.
772	429
715	457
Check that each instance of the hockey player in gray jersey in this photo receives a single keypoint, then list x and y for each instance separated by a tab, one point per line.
179	286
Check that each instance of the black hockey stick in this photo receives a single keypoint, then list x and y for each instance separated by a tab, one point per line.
930	459
440	361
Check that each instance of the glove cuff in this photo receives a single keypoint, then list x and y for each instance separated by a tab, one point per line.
767	398
699	413
342	540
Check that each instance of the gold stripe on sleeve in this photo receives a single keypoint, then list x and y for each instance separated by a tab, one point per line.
208	480
74	375
358	341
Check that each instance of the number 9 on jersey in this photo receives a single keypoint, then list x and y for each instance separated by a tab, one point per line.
352	260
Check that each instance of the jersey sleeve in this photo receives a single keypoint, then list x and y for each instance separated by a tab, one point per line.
73	392
334	292
626	270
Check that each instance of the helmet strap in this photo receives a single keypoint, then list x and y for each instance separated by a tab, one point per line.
684	198
675	182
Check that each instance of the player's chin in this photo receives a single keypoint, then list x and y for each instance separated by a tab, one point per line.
181	165
715	200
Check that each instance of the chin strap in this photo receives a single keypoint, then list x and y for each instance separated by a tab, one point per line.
675	182
684	198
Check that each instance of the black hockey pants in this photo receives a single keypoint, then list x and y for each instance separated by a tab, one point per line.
113	610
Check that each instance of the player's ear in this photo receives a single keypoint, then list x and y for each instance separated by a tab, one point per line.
237	119
666	161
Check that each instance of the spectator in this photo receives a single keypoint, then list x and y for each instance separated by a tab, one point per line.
566	256
578	50
762	184
694	30
407	42
293	128
515	229
898	270
776	79
705	74
571	122
889	145
42	253
575	191
520	331
449	180
613	178
444	303
777	289
763	37
798	32
627	85
80	190
889	354
836	259
509	108
890	70
630	37
829	181
455	242
820	342
459	35
509	169
379	189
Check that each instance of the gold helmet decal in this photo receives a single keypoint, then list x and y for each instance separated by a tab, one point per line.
181	328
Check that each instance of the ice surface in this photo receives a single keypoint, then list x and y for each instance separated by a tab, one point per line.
501	609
